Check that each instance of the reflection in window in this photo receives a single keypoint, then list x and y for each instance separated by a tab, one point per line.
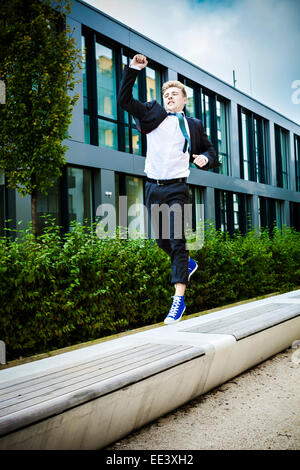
135	204
190	105
79	195
87	133
153	84
132	188
297	161
206	114
223	211
136	142
236	222
106	82
108	134
246	146
222	137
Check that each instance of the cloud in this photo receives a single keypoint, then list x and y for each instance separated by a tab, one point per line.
258	39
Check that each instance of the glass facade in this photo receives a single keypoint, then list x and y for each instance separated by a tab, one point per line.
50	204
79	184
106	82
233	212
133	141
282	155
108	134
153	84
270	213
190	105
135	204
297	162
246	166
253	133
222	137
206	115
133	188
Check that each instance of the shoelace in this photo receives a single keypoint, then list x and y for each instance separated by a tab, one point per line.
175	306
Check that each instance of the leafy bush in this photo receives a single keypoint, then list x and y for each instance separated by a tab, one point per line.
59	290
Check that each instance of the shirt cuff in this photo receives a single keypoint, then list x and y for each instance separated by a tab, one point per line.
136	67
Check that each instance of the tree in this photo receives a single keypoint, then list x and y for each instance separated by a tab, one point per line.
38	63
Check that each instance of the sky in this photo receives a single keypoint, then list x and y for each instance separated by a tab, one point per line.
259	39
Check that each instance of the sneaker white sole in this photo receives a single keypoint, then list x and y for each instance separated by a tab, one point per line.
169	321
195	269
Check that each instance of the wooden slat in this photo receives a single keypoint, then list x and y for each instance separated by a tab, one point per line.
62	370
42	390
60	400
85	367
248	322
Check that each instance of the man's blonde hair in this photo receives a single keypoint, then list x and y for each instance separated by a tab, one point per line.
175	83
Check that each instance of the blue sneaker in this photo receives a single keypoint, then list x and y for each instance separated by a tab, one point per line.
193	266
176	311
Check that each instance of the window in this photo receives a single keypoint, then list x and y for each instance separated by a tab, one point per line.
206	115
295	215
205	105
79	183
106	96
87	133
297	161
197	201
153	84
270	213
232	212
133	188
222	137
278	212
253	131
105	123
282	155
50	204
267	213
190	105
133	141
246	164
260	145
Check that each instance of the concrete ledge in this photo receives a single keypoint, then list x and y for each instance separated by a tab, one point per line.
92	396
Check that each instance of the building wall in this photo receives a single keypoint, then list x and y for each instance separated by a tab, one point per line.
92	169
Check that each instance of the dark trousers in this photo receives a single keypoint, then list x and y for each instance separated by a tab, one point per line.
172	240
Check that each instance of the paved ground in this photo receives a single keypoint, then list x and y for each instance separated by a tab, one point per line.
259	409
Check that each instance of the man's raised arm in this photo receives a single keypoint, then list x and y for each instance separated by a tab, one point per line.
125	98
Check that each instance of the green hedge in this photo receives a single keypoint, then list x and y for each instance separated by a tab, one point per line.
60	290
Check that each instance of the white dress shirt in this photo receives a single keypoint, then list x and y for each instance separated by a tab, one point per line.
165	158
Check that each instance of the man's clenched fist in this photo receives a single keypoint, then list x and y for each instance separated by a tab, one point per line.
139	60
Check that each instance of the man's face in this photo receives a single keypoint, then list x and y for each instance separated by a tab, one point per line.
174	101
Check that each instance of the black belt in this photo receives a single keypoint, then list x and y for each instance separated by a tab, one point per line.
163	182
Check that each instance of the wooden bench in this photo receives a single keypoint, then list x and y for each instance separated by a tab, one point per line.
88	398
